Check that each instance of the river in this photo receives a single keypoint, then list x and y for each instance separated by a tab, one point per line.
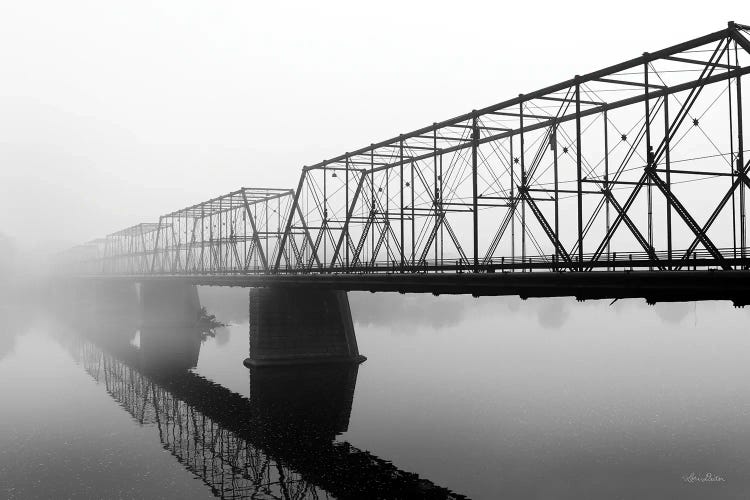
484	398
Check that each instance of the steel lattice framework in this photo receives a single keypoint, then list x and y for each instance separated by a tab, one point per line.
641	165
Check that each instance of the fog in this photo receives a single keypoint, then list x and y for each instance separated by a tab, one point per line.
114	114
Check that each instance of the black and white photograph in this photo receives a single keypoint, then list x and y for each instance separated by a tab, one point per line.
374	250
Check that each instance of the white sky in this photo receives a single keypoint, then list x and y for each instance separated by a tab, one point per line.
112	113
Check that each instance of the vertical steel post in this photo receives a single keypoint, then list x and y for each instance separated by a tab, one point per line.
740	158
265	231
324	221
606	183
372	202
203	239
221	239
387	213
731	163
347	213
413	215
649	157
512	206
442	214
579	173
401	197
435	183
523	186
668	177
187	244
210	241
245	263
474	188
557	186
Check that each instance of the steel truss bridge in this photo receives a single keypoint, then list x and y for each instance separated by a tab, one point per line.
638	167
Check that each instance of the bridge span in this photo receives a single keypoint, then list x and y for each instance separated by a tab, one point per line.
629	181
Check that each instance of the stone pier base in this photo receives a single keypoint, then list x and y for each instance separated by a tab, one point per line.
165	303
169	336
293	326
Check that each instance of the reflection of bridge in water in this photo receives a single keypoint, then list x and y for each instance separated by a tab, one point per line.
279	443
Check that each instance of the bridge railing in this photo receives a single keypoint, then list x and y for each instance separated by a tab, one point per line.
616	261
624	260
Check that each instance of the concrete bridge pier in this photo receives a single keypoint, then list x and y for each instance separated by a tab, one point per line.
291	326
98	301
168	304
169	335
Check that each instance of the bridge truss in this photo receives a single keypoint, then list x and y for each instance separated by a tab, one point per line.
641	165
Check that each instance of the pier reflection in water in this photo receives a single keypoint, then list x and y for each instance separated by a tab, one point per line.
279	442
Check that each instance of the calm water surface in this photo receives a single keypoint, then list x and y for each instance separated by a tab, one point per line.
486	398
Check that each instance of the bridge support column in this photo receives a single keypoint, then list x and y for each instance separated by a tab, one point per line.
165	303
97	301
301	326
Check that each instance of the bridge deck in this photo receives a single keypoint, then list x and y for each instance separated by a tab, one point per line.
653	286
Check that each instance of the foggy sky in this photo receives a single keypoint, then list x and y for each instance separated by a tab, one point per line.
114	113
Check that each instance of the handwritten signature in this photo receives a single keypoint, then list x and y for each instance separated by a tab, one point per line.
707	477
